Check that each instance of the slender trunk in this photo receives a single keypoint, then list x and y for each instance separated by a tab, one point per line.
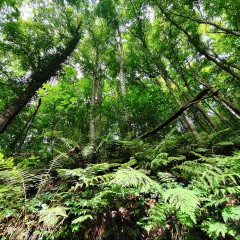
121	60
36	80
221	118
99	103
25	128
179	112
201	21
186	121
92	111
96	101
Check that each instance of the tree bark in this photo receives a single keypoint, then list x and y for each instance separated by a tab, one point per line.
121	60
36	80
197	106
96	100
227	104
186	121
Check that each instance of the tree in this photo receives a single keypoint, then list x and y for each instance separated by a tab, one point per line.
41	68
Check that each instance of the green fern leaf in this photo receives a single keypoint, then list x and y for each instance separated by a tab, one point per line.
129	177
184	200
231	213
81	219
217	229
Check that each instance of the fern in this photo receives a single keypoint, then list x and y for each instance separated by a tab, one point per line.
158	216
166	177
162	159
18	181
81	219
231	213
216	229
46	175
184	200
129	177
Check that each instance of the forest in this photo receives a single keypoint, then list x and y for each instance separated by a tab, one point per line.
119	119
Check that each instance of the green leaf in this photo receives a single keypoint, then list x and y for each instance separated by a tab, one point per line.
217	229
184	200
81	219
231	213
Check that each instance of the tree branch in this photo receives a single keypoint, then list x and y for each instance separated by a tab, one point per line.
201	21
199	97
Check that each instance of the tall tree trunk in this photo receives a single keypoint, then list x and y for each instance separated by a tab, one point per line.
21	136
186	121
179	112
121	60
36	80
221	118
96	101
92	111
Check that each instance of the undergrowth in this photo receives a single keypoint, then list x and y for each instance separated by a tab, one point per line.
174	190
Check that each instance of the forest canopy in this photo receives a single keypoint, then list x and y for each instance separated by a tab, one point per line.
119	119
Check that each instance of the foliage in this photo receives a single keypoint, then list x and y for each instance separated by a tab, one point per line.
191	194
80	81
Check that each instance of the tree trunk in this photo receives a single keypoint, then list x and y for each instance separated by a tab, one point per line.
228	105
186	121
92	111
201	21
197	106
121	60
25	129
96	101
36	80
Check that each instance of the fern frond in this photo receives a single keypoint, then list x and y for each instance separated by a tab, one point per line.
158	216
166	177
54	164
216	229
82	219
101	167
129	177
231	213
70	173
184	200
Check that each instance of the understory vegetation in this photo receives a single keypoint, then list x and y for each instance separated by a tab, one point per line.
174	190
119	120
